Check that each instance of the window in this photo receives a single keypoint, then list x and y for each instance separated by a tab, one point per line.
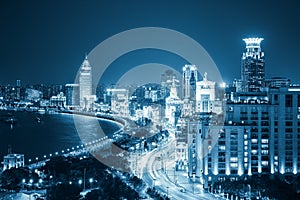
222	148
288	100
289	123
289	130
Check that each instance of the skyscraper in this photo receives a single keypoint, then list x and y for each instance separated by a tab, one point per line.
85	84
253	65
72	94
189	79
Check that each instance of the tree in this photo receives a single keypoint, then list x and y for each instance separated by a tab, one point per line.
11	179
63	191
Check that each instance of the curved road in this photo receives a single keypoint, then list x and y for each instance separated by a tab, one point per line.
154	176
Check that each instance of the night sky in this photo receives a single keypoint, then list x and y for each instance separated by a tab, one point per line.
46	41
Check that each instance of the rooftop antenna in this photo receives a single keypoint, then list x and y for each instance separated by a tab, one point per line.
9	151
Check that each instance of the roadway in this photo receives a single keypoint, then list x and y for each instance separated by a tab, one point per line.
153	175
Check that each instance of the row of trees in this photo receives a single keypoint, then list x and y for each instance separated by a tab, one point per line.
258	186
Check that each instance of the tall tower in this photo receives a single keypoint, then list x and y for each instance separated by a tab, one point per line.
253	66
189	79
85	84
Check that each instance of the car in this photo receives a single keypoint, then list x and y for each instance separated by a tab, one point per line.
183	190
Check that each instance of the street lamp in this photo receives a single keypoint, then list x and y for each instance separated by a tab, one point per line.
91	180
249	186
23	182
167	191
80	182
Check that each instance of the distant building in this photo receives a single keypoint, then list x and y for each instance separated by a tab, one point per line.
72	94
277	82
86	98
189	79
119	101
253	66
173	105
58	101
205	95
13	160
33	95
153	112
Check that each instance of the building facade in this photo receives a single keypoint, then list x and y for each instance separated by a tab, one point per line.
13	160
119	101
189	79
205	95
252	66
58	100
85	85
72	94
260	135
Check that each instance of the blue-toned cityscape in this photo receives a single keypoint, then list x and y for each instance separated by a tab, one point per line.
188	137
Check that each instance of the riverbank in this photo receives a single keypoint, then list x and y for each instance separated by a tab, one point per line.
51	134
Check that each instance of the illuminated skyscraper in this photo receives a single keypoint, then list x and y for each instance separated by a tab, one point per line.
253	66
85	84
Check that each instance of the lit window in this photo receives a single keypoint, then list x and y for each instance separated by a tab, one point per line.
254	140
264	141
233	165
264	163
254	151
222	148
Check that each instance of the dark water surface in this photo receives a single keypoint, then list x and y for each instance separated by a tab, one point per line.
36	134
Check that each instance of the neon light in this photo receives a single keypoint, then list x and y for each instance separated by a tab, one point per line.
294	89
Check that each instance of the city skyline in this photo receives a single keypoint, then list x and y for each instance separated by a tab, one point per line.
150	99
39	42
208	134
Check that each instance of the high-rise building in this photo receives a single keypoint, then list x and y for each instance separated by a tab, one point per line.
252	66
18	83
205	95
85	84
189	79
257	132
260	136
173	105
72	94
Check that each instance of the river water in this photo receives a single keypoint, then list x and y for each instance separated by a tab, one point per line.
36	135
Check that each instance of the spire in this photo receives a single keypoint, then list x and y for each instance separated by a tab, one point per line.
86	63
9	151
